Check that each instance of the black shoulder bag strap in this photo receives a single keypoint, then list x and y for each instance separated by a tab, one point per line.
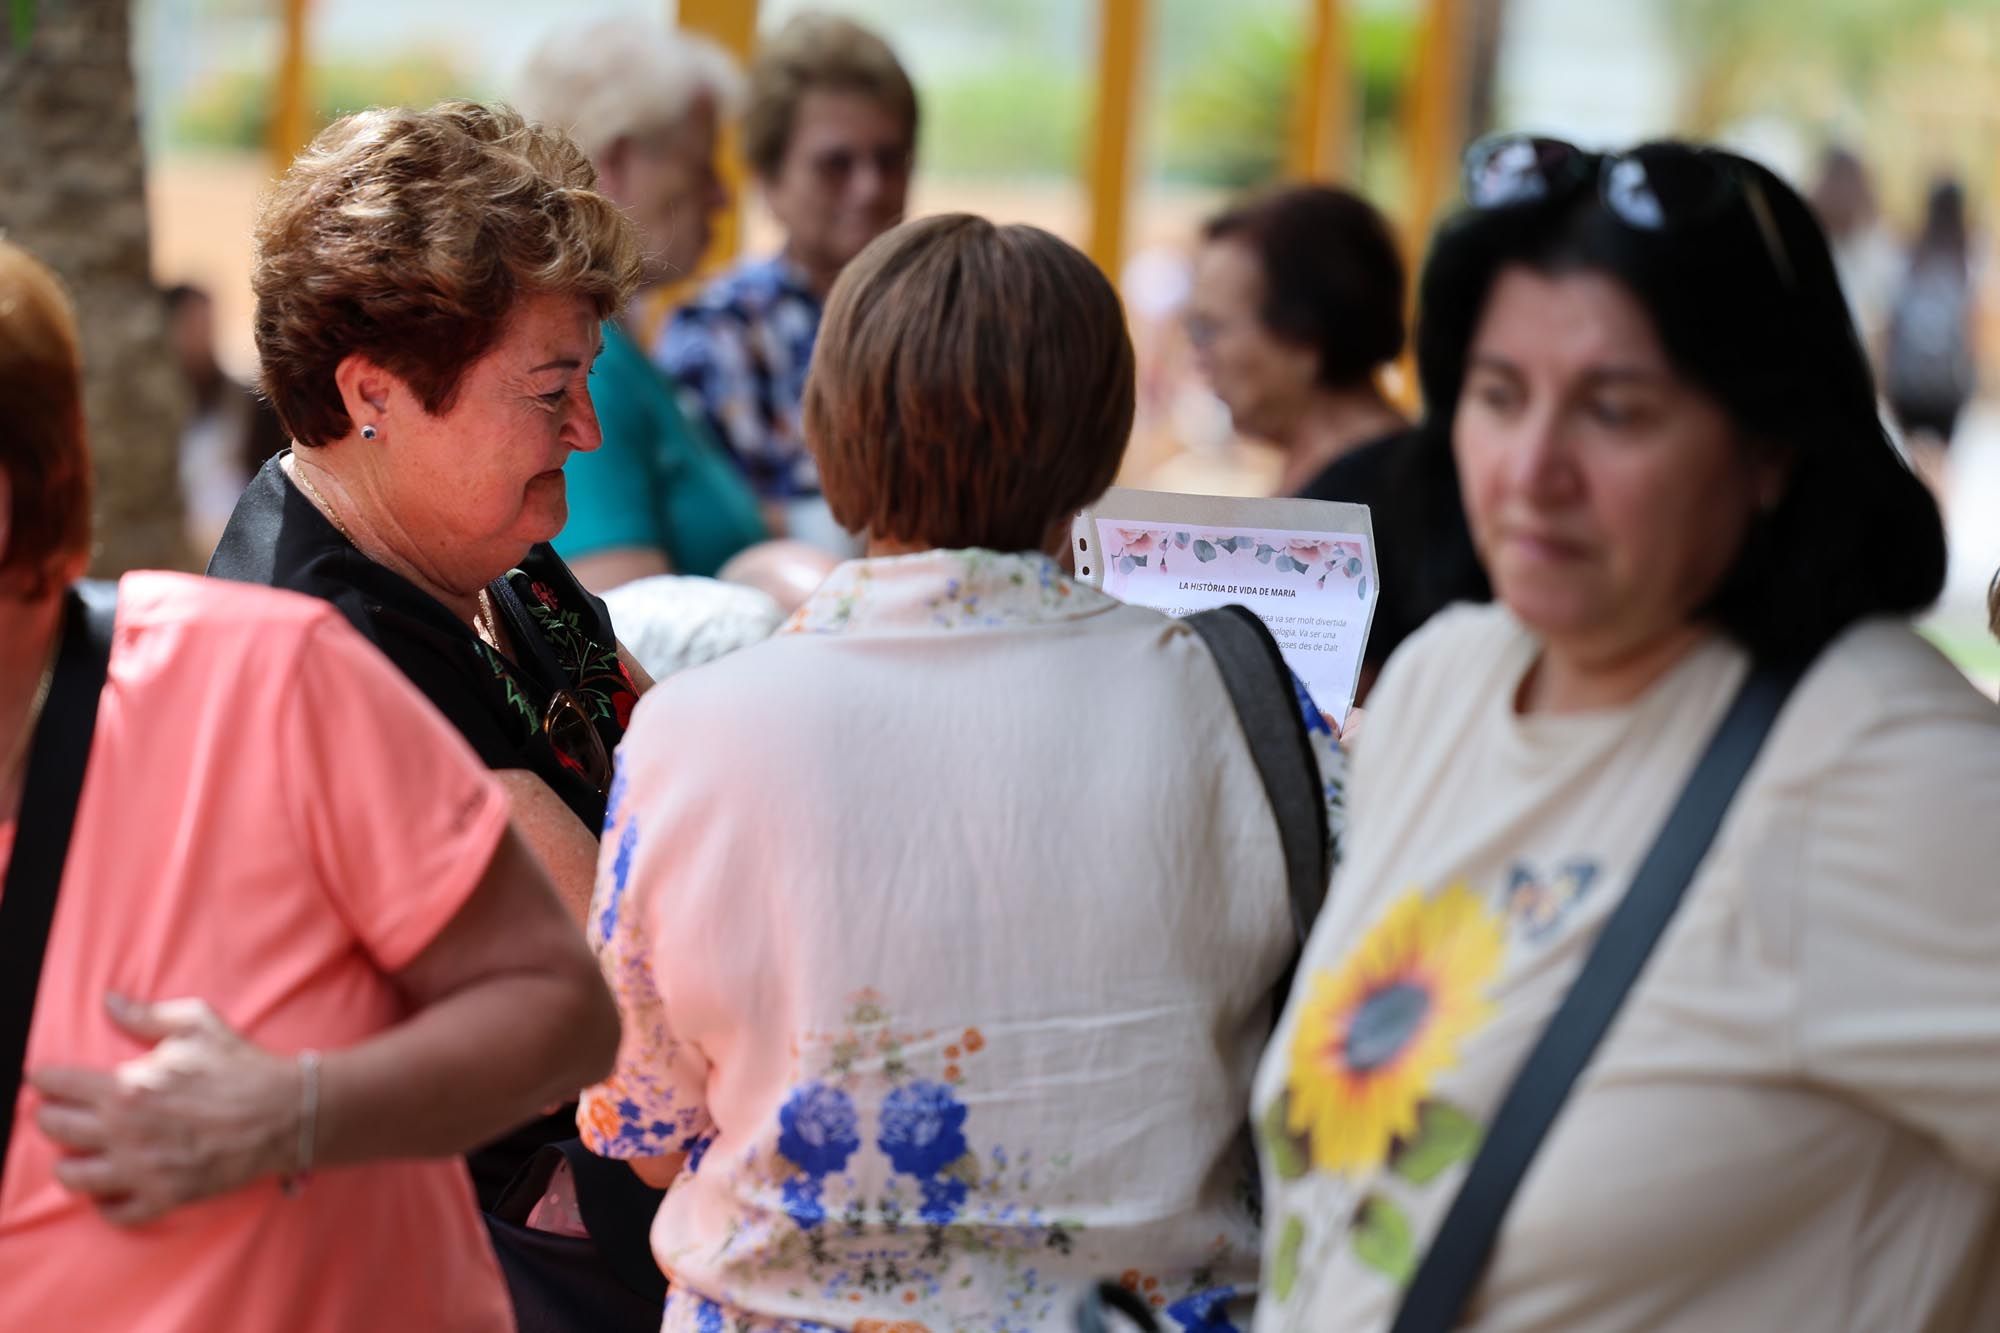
1267	707
1451	1269
53	782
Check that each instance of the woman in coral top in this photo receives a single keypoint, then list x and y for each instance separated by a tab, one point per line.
387	976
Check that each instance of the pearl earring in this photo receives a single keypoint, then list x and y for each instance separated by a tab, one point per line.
367	432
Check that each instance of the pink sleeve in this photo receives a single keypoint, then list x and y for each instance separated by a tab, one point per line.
396	812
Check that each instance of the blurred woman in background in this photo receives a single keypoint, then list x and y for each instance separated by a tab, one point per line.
660	494
1295	314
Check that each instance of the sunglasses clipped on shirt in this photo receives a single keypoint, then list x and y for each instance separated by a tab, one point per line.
1654	188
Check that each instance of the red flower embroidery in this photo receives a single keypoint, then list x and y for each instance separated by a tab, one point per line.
622	703
543	594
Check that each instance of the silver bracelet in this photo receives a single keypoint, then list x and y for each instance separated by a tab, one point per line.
308	1120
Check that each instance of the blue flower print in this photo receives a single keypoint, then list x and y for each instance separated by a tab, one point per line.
942	1199
922	1128
1204	1311
818	1132
708	1317
621	873
803	1203
696	1148
1314	719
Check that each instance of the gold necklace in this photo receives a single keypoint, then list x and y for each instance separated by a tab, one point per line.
299	474
19	750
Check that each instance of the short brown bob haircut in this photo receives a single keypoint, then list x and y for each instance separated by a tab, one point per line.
818	53
42	445
409	237
971	386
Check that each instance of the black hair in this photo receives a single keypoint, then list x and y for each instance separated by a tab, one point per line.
1750	310
1333	278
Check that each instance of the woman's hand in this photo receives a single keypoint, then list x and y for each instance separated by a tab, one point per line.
202	1113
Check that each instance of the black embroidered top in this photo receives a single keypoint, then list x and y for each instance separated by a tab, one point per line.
279	538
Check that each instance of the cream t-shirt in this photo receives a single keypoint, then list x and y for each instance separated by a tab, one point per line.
1795	1121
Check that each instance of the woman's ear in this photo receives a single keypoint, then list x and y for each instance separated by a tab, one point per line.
369	392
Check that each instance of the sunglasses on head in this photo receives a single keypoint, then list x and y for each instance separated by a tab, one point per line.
1654	188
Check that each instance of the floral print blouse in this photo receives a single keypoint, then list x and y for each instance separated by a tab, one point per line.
945	926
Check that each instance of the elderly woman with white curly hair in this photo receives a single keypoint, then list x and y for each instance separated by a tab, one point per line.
645	104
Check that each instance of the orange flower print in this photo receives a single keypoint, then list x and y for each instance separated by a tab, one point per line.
598	1118
951	1073
951	1052
889	1326
974	1042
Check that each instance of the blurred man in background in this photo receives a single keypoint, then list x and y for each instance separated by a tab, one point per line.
830	132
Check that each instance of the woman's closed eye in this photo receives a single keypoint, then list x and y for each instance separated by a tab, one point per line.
1495	393
1618	412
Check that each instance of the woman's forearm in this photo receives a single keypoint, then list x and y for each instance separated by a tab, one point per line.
460	1072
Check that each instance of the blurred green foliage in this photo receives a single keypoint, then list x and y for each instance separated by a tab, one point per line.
233	111
1227	118
1020	118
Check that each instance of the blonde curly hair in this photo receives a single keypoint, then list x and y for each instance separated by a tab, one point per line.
409	237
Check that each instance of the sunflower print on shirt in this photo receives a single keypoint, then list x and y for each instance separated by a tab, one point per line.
1372	1038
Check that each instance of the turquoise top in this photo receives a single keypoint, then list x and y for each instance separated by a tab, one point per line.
658	480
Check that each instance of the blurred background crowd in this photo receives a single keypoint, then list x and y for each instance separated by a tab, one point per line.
1122	125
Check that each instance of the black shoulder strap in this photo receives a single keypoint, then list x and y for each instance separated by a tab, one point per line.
1452	1267
1267	706
53	783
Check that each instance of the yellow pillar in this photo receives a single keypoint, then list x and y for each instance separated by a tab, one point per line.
1120	40
1433	119
291	126
1323	111
731	24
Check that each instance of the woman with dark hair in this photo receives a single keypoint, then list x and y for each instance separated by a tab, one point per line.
1930	366
1296	309
1643	371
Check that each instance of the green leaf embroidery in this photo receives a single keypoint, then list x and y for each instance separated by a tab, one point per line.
1382	1238
1445	1135
1285	1151
1285	1267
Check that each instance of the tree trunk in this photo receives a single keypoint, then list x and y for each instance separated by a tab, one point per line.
75	196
